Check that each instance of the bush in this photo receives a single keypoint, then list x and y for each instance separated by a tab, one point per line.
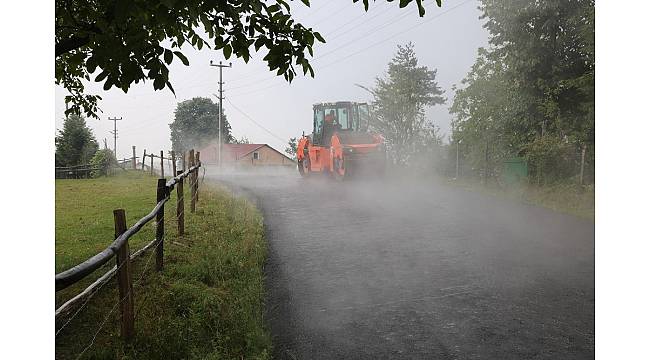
103	159
551	159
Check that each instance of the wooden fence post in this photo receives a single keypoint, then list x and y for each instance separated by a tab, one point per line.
133	159
161	193
144	157
196	183
180	205
151	156
184	168
192	182
173	156
124	278
162	164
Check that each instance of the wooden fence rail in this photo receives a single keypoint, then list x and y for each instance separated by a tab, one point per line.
77	171
119	249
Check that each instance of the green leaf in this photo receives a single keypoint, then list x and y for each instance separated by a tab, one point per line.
169	56
182	57
169	85
259	43
91	64
306	2
227	51
309	38
158	83
101	76
420	7
319	37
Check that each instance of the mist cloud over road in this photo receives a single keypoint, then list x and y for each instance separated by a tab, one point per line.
414	269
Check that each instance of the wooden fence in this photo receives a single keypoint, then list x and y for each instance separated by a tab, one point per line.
75	172
119	248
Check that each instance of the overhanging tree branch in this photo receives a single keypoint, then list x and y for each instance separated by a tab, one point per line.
69	44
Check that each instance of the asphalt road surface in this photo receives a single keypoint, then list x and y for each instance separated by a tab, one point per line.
401	270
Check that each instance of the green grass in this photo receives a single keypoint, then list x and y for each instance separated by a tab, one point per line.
566	198
84	213
208	300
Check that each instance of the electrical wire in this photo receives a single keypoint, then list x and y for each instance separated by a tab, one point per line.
254	122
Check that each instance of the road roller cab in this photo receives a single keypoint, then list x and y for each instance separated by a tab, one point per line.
340	144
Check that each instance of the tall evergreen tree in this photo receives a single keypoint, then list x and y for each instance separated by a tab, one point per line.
75	144
401	99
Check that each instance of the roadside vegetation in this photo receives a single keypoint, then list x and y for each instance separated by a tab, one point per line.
206	303
566	198
530	93
523	117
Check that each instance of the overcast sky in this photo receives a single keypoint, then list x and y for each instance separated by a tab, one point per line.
359	47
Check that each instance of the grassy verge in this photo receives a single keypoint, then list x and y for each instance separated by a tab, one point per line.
206	303
567	198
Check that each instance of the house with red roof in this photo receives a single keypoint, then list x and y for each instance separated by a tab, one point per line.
244	155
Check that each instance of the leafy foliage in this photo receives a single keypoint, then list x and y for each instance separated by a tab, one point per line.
535	80
102	159
292	147
75	144
195	123
400	102
403	3
123	40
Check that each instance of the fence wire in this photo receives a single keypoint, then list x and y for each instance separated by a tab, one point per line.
137	282
140	278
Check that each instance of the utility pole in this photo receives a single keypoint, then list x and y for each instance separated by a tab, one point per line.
220	66
114	132
457	161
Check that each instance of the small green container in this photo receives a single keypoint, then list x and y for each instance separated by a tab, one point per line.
515	171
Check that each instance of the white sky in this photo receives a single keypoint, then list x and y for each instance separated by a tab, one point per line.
359	47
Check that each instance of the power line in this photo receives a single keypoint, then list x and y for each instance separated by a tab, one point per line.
264	78
386	7
363	36
255	122
330	15
367	47
397	34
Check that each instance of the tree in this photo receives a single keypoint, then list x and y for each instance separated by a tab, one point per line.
75	144
196	123
243	140
292	149
531	92
103	159
124	40
400	101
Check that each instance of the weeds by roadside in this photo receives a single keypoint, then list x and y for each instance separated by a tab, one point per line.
567	198
206	303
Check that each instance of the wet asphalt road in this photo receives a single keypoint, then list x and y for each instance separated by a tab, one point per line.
403	271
